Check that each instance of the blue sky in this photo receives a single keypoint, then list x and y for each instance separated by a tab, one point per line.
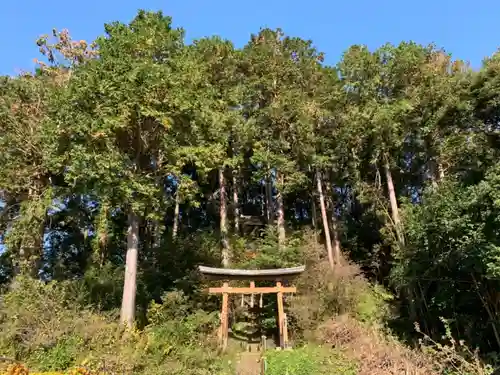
465	28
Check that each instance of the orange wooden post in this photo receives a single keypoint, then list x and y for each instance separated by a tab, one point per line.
224	318
281	313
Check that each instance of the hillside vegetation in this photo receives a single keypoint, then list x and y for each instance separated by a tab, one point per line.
130	160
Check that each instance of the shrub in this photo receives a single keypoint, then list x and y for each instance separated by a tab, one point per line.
61	356
323	293
42	325
453	357
174	305
36	315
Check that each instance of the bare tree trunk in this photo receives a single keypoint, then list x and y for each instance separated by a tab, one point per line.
440	170
314	213
157	234
236	204
130	285
146	232
436	171
324	217
432	173
281	211
314	218
336	239
223	219
394	203
175	227
399	232
334	227
269	201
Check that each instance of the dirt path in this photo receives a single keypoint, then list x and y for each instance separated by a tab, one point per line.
248	364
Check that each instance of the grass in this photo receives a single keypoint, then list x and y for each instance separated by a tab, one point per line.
308	360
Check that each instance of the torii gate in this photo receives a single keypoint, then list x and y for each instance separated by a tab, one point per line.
277	275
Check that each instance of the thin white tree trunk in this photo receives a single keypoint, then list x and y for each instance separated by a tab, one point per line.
432	172
281	212
223	220
436	170
175	227
436	167
324	218
130	285
314	216
334	228
157	233
336	239
269	200
314	213
399	232
440	170
394	202
236	204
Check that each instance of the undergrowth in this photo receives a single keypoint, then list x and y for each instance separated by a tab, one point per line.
43	326
342	309
337	323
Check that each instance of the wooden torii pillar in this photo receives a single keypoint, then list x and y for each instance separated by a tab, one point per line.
277	275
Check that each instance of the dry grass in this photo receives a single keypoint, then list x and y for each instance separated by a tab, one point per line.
372	350
352	313
323	293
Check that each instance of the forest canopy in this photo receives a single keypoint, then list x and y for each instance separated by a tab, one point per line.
129	160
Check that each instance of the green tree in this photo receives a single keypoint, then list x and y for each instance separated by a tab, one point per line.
115	122
26	181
